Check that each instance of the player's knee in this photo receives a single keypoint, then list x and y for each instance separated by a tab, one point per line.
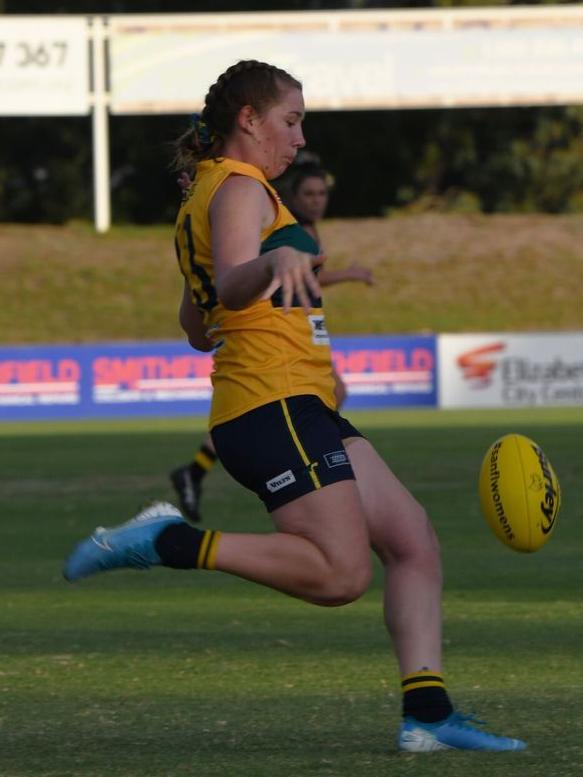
418	544
424	541
346	583
424	549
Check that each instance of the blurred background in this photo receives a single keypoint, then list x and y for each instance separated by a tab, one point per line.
451	136
483	160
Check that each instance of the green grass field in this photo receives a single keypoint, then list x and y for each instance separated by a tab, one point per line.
174	674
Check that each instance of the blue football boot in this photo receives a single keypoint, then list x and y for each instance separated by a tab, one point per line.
132	544
456	732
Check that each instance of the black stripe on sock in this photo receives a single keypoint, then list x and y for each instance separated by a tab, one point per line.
422	678
209	547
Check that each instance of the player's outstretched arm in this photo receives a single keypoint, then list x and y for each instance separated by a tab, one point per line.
356	272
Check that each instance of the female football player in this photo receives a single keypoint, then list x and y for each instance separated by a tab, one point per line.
252	292
304	188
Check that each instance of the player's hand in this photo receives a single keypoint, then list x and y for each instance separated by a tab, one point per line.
294	271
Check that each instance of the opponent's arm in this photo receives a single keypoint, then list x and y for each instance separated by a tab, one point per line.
355	272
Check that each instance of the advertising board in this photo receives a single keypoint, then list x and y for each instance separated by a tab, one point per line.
510	370
44	66
168	378
398	58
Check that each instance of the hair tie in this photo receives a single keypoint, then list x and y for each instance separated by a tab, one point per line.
205	135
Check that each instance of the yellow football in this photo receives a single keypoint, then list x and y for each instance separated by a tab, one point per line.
520	494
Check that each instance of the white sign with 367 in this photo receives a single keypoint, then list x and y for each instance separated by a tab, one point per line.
44	66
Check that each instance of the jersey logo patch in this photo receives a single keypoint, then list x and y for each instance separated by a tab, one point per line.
280	481
319	331
336	459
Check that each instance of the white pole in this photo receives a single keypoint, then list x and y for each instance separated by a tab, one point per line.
101	194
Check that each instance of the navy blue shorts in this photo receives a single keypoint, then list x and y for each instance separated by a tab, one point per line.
286	449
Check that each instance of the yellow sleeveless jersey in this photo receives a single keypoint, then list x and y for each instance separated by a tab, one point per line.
261	354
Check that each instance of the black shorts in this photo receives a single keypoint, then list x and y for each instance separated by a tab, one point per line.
286	449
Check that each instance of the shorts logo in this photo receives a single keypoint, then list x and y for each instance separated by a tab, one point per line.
336	458
319	331
280	481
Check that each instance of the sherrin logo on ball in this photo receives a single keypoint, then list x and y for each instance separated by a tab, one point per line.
520	494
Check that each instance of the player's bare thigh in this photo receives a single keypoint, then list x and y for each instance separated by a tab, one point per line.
334	520
397	523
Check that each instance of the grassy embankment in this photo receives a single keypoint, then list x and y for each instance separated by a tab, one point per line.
433	273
